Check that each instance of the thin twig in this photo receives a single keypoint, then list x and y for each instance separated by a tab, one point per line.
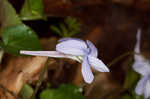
121	57
40	80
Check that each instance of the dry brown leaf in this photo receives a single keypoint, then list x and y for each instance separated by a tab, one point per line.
18	71
103	87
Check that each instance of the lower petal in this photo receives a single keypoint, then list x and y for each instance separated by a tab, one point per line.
140	86
86	71
147	89
97	64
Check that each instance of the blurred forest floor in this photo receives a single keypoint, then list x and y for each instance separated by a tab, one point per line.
110	24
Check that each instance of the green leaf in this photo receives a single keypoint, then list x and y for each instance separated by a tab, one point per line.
8	14
63	30
19	37
26	91
32	10
135	96
126	96
63	92
69	28
131	80
48	94
73	25
131	95
56	30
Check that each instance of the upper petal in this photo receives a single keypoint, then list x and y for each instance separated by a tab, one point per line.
147	89
93	49
97	64
138	42
69	38
141	85
73	47
142	67
139	58
86	71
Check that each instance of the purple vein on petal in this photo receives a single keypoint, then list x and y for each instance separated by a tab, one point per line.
86	71
93	49
73	43
73	47
97	64
68	38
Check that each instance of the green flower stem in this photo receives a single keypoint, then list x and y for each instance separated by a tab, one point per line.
28	2
121	57
40	79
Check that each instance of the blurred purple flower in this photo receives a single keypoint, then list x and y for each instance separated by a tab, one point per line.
142	66
83	52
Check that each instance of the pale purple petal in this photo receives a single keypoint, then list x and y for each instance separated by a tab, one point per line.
137	47
97	64
142	67
73	42
93	49
138	37
45	53
70	51
139	58
73	47
147	89
140	86
53	54
68	38
86	71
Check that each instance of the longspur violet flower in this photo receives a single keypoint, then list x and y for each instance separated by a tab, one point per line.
142	66
79	50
